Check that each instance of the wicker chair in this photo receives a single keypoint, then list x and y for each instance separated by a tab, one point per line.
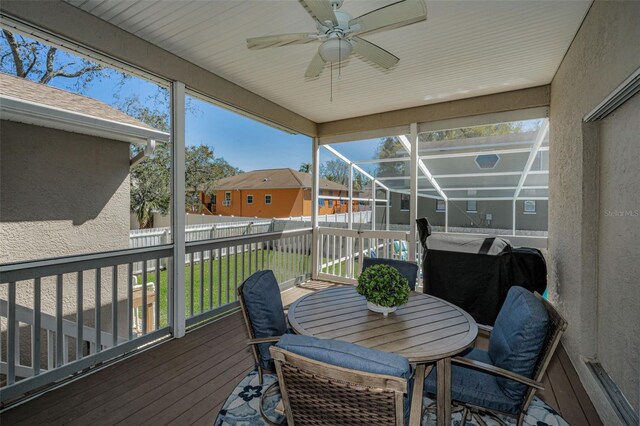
556	326
270	294
317	393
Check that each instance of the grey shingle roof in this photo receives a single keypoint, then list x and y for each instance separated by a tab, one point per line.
42	94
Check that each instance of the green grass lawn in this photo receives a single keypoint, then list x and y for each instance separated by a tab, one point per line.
222	292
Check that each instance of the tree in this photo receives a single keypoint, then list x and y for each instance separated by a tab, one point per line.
150	183
305	168
35	61
472	132
335	171
202	172
389	148
338	171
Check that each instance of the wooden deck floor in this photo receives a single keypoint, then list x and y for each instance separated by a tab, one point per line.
186	381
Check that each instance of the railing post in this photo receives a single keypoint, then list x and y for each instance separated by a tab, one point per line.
315	252
178	320
373	205
349	247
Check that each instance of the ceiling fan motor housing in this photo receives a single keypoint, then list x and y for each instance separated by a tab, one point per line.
336	47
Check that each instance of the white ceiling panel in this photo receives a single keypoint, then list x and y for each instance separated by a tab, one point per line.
464	49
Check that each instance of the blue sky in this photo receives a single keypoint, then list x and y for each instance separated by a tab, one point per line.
243	142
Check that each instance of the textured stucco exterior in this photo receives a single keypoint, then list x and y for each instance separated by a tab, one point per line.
62	194
603	54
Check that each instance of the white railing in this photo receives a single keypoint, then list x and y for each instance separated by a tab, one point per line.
358	217
341	251
64	316
212	284
89	308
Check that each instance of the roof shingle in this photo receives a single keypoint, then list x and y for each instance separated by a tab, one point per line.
274	179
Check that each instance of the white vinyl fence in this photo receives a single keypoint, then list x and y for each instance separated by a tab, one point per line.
158	236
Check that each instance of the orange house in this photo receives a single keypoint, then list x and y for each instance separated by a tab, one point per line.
274	193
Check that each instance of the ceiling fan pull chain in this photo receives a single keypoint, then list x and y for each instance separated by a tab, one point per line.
331	84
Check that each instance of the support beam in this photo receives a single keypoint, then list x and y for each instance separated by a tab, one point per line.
542	133
315	192
513	217
360	169
388	210
412	148
488	174
446	215
469	107
425	171
177	285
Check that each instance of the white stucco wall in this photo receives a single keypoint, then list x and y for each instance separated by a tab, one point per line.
603	54
62	194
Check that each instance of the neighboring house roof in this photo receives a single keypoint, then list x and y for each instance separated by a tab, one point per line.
274	179
28	102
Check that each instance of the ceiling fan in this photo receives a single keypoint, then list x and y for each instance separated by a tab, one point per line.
340	33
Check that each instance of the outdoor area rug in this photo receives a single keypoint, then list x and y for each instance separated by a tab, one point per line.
242	409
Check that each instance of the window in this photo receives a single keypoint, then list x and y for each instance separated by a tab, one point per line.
440	206
249	199
530	207
404	202
330	203
213	199
472	206
267	199
227	199
321	202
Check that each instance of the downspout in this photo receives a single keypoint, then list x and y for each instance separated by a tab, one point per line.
148	152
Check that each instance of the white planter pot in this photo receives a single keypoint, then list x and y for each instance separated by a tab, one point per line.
381	309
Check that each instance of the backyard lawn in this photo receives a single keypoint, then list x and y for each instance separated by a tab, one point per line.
227	276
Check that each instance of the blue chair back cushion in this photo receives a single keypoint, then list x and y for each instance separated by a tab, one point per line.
409	270
261	295
474	386
351	356
517	338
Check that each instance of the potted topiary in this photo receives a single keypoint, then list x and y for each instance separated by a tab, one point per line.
384	288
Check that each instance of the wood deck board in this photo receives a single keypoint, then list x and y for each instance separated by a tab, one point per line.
176	382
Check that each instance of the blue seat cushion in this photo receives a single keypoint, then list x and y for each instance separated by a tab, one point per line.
475	387
517	338
263	302
407	269
351	356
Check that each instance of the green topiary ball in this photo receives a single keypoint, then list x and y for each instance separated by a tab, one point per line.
384	286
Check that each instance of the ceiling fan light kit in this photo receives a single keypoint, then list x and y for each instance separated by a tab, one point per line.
335	50
339	32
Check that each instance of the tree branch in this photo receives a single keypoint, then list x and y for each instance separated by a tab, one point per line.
17	60
60	73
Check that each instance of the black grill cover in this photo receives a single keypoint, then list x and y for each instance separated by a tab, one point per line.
475	273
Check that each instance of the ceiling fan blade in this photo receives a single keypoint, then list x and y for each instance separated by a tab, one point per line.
405	12
280	40
315	67
374	53
320	10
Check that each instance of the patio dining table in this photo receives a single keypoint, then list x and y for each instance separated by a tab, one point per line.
425	330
